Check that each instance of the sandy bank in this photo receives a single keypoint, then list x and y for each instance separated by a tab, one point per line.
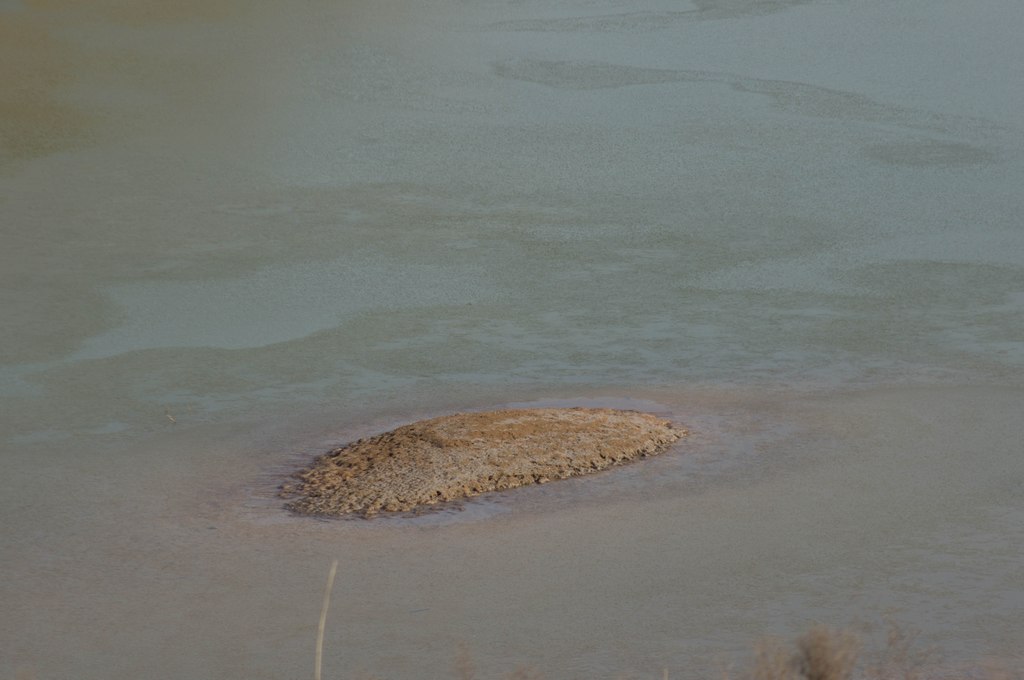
467	454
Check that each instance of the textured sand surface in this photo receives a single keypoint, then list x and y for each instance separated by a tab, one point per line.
466	454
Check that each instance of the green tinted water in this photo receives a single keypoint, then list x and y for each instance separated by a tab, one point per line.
233	236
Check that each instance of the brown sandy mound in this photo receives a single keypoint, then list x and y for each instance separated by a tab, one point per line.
466	454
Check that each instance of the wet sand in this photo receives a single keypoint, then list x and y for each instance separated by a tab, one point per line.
771	516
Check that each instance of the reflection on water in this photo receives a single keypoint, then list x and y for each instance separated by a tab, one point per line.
235	236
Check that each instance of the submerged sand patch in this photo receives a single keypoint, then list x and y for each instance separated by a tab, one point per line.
467	454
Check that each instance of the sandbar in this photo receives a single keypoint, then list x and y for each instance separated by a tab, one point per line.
466	454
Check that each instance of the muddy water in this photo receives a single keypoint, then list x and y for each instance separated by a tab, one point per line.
237	233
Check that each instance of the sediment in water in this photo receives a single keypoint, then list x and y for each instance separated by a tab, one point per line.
466	454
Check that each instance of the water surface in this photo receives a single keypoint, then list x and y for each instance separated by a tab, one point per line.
235	235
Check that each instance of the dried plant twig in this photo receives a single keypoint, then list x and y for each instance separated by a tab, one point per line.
323	621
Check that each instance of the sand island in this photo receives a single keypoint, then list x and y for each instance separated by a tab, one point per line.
467	454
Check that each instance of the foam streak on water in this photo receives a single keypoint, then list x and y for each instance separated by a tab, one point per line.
234	236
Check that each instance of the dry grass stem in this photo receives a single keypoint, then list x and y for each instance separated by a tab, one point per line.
464	666
902	658
827	654
821	654
772	661
323	621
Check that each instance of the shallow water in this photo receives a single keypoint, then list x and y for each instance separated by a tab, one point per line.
236	234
